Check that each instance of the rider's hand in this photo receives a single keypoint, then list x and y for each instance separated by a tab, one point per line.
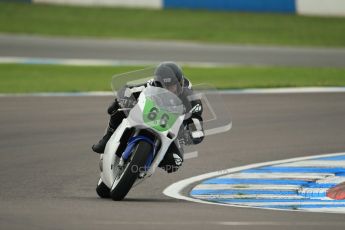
194	133
127	102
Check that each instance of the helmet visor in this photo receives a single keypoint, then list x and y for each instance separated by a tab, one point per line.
167	79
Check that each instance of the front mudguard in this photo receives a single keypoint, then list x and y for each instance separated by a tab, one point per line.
131	144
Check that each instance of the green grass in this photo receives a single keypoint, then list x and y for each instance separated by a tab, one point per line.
17	78
223	27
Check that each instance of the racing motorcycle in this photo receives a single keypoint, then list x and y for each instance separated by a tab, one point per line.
139	144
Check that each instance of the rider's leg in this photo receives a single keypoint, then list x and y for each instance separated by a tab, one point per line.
173	158
116	118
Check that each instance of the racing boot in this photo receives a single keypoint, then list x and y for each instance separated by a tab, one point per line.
100	146
175	163
172	160
178	160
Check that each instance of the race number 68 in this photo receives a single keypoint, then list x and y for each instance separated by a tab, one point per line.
163	121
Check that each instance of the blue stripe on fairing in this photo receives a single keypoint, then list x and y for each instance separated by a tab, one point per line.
304	206
284	200
276	169
254	181
286	6
242	192
335	158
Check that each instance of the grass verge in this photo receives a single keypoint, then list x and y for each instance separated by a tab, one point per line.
17	78
224	27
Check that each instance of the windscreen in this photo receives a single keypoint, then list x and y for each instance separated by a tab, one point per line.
164	102
216	114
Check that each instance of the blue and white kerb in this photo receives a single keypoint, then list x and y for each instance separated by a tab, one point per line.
297	185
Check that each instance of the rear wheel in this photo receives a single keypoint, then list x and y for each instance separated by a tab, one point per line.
135	165
102	190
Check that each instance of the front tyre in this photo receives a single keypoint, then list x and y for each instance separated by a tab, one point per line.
136	164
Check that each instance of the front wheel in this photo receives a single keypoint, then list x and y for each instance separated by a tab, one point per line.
135	165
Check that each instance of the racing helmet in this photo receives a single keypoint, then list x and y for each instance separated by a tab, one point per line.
169	75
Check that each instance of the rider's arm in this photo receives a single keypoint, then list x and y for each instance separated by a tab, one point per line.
127	96
187	83
194	124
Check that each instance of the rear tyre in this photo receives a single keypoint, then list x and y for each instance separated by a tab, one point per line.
102	190
136	165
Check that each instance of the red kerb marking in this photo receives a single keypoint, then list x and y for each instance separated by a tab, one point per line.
337	192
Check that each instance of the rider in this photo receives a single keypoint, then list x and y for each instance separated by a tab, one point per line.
171	75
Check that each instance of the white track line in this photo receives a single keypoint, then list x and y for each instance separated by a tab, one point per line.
329	210
331	180
301	176
246	187
315	163
175	190
101	62
60	94
286	90
235	92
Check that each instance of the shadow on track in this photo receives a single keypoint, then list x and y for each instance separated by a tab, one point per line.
126	200
155	200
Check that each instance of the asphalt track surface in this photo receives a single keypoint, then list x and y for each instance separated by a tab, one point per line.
49	173
156	51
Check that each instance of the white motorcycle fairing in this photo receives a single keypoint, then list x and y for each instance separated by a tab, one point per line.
109	159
